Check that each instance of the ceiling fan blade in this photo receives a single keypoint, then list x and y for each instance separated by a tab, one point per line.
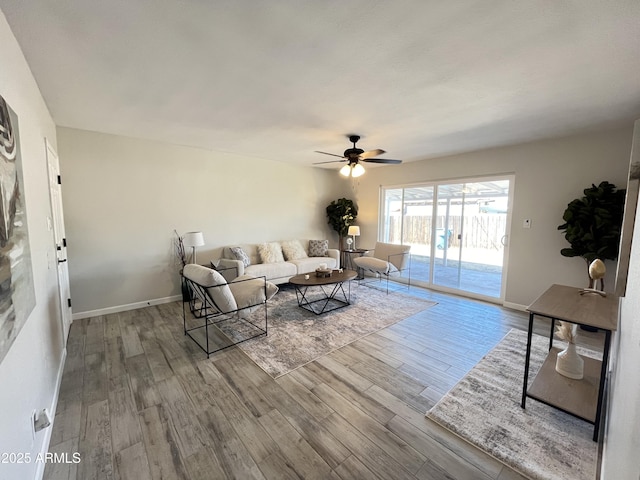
381	160
330	161
372	153
332	154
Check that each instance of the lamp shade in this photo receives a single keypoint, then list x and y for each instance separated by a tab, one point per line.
357	170
346	170
354	230
193	239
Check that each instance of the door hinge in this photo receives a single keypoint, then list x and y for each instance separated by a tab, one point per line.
64	242
59	180
69	302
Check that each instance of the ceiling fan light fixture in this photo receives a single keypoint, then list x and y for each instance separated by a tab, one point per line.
346	170
357	170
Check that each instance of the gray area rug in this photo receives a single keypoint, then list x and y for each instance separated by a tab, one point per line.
540	442
297	337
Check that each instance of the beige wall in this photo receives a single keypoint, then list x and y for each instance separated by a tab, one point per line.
123	198
29	373
548	175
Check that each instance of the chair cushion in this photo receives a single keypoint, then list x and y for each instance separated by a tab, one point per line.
270	252
391	252
215	285
375	265
318	248
249	290
293	250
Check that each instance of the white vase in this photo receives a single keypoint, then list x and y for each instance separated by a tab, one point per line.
569	363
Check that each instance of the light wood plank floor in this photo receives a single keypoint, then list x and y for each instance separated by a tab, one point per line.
140	401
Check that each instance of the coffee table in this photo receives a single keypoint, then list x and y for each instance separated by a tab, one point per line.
332	293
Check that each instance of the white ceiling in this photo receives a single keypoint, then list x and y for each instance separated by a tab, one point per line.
280	79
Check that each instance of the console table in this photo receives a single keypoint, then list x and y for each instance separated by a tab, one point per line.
580	398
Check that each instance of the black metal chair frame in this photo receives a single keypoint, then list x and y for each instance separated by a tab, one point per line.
379	275
202	307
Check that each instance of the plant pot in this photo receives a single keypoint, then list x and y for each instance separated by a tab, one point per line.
569	363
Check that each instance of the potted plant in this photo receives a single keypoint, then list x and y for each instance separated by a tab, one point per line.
341	214
592	224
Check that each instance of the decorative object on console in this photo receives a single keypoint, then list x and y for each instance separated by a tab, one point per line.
341	214
181	254
568	362
354	231
270	252
193	240
318	248
597	271
293	250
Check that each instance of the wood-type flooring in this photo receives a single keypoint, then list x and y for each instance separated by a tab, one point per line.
139	400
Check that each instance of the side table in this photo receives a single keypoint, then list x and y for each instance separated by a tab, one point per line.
347	260
580	398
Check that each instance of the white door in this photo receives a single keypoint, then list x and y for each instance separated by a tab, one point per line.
55	190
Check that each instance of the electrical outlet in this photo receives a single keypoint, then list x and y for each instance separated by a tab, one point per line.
526	223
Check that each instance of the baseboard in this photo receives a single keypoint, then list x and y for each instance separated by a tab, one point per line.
52	411
124	308
514	306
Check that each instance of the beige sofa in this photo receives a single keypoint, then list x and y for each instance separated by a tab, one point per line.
276	272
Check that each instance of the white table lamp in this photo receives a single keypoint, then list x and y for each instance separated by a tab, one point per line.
193	240
354	231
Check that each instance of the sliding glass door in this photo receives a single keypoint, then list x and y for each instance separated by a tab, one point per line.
457	232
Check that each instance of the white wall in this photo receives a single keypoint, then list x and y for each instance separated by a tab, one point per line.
29	372
548	175
123	198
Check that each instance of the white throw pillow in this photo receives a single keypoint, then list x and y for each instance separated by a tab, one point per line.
270	252
293	250
215	284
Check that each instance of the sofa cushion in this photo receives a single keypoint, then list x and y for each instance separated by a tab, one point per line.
391	252
293	250
310	264
241	255
215	284
318	248
249	290
270	252
271	270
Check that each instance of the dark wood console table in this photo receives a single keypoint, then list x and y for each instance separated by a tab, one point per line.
580	398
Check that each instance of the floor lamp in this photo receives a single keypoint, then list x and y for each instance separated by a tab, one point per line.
193	240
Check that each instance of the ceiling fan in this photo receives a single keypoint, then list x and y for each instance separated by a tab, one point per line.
354	155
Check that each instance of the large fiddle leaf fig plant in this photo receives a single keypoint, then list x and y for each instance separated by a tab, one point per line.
341	214
592	223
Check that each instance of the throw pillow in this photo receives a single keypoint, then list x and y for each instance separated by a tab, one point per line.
318	248
241	255
293	250
270	252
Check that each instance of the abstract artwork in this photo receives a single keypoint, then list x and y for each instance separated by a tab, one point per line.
17	295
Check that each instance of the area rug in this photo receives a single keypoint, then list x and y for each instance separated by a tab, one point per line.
297	336
540	442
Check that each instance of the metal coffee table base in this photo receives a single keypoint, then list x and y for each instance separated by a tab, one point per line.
336	299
